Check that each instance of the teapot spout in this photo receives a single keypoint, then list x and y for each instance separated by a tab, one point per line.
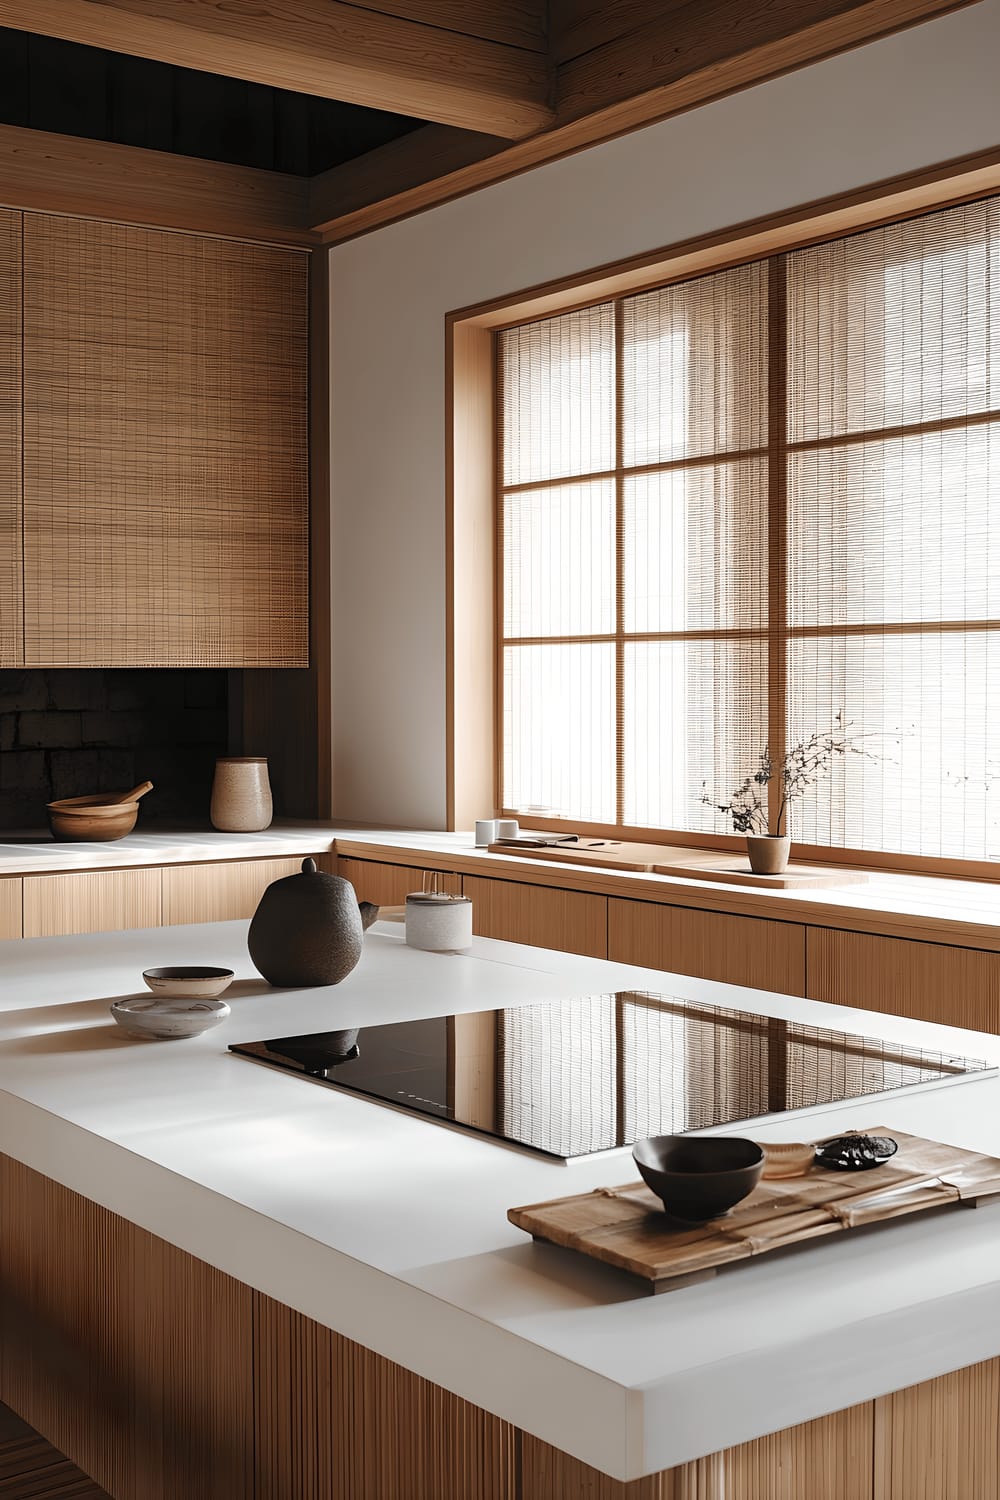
369	911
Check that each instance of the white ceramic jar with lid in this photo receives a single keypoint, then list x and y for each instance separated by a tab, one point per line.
438	922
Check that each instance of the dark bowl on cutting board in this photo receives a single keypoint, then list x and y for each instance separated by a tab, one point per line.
699	1177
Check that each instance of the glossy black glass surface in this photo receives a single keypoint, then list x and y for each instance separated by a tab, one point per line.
601	1071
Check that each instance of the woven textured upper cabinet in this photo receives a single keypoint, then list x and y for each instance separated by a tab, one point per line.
165	490
10	439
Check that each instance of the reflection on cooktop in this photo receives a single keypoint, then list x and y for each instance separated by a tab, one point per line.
601	1071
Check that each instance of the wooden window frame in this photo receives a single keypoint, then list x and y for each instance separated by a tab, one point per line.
473	477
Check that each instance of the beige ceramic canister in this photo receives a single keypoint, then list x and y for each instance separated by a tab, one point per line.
241	794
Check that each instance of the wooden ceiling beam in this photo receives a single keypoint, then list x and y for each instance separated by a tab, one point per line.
709	47
518	23
400	167
579	26
322	47
694	52
62	174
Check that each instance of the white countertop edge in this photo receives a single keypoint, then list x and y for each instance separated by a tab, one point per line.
585	1414
153	848
626	1432
764	1395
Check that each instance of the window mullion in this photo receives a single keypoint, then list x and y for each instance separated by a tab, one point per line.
619	563
777	531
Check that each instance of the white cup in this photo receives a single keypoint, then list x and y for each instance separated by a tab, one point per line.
507	828
486	832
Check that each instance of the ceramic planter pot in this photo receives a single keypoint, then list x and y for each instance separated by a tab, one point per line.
768	852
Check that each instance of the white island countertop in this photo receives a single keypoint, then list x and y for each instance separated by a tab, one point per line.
392	1230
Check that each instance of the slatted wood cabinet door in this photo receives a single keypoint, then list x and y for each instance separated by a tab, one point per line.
10	907
389	885
165	449
753	951
91	901
10	439
929	981
221	892
543	916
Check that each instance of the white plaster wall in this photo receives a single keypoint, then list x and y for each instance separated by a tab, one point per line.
921	97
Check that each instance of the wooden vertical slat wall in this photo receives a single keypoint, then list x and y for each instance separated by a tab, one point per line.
334	1419
165	443
11	643
132	1357
941	1440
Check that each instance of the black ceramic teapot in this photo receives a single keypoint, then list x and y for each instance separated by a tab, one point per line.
308	929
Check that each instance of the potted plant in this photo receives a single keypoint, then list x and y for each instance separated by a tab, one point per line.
800	769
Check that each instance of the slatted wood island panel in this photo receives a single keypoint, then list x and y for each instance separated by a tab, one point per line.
162	1377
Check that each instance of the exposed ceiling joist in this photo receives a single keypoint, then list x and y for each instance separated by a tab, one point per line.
579	26
322	47
708	47
692	53
64	174
431	153
519	23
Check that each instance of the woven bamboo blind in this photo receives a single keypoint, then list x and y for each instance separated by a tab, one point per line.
753	507
894	529
10	438
165	439
634	550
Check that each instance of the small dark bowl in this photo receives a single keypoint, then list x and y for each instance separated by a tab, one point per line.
699	1177
188	982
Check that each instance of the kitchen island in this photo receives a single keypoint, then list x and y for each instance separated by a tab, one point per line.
222	1281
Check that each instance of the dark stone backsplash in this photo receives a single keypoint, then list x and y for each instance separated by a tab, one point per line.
67	733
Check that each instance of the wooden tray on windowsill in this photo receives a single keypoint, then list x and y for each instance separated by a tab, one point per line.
626	1226
735	870
687	864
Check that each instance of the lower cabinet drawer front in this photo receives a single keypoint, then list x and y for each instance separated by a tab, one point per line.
10	908
571	921
928	981
389	885
91	901
220	893
754	951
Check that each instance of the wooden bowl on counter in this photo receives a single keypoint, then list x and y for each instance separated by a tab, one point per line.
96	819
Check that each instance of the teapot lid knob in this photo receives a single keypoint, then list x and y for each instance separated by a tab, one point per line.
309	867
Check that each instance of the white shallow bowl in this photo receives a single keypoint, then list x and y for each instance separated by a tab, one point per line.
168	1019
188	982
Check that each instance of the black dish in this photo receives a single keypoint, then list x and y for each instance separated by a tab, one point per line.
855	1153
699	1177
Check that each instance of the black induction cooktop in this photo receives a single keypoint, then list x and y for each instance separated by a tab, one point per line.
601	1071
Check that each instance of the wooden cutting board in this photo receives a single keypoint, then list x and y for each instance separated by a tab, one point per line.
626	1226
666	859
611	854
735	870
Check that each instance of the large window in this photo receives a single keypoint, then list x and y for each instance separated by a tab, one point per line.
745	509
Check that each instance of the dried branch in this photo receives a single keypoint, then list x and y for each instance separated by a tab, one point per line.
802	767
